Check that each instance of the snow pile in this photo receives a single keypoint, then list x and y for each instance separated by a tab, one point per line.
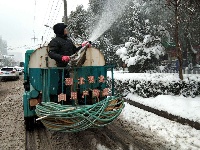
171	134
188	108
177	136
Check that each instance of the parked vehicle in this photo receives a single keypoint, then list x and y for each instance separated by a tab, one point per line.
9	73
19	69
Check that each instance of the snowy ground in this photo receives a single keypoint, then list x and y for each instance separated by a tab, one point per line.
12	135
180	136
188	108
177	136
185	107
136	121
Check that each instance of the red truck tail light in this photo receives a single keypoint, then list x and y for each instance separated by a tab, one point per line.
12	71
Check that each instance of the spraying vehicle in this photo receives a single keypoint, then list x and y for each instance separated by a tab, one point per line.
87	99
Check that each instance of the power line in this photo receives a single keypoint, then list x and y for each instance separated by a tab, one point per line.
53	20
49	18
46	12
51	23
41	29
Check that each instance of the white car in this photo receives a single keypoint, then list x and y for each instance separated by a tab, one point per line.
9	73
19	69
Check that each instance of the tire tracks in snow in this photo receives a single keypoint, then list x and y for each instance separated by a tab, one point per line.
38	139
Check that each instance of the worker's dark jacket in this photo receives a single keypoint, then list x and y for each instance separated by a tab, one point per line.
61	46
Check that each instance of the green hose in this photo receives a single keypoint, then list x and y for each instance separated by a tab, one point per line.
67	118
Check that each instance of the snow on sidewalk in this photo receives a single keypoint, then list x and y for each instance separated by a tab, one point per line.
177	136
188	108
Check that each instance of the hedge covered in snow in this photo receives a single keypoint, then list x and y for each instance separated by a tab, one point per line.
151	85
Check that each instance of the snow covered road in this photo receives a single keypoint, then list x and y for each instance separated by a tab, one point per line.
133	129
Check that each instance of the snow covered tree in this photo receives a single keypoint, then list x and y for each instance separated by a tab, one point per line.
124	26
142	52
78	24
132	24
180	19
183	14
141	56
96	6
189	29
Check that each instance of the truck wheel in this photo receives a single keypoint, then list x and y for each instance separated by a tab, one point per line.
29	123
39	124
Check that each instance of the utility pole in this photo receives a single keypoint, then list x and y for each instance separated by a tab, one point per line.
65	12
34	38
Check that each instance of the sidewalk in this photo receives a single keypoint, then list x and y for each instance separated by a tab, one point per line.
185	110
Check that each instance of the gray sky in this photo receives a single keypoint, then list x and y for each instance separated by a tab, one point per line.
21	20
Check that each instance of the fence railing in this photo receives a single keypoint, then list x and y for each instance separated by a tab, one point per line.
185	71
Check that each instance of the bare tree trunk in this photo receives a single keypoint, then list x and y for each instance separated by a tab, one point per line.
178	47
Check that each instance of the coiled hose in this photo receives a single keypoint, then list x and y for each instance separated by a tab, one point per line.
65	118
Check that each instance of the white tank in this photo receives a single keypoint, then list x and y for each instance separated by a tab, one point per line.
40	59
